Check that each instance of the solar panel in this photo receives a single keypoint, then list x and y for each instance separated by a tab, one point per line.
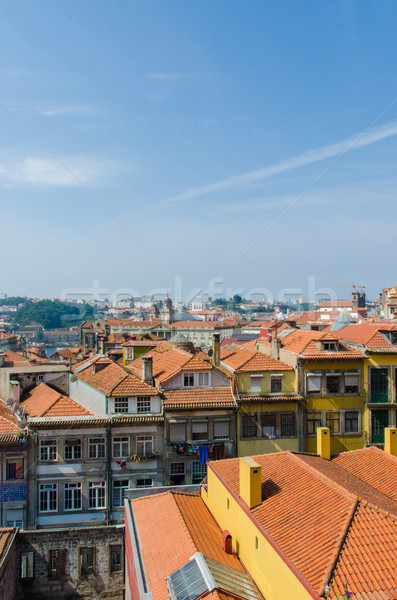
203	574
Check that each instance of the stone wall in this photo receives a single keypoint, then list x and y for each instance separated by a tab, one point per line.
7	579
102	583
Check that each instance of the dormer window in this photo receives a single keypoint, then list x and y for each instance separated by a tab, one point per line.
143	404
330	346
121	405
188	379
204	379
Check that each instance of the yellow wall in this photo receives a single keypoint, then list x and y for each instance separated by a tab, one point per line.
271	574
289	382
339	443
262	446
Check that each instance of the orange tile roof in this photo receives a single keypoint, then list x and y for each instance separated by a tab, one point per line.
363	333
133	386
333	303
241	358
188	528
319	514
167	360
13	359
306	514
8	422
43	401
6	535
199	398
367	564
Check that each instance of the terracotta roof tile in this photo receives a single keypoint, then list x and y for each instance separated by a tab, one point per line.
8	422
133	386
188	528
241	358
199	398
43	401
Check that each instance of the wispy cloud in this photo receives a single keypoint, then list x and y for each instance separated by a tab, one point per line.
177	75
301	160
46	172
64	110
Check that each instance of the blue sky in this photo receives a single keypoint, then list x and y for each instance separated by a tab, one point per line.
157	144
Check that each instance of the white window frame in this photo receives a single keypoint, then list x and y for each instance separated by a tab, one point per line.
49	492
143	404
255	388
146	442
73	447
74	490
118	490
175	468
96	500
48	450
204	375
188	376
97	442
121	447
121	405
198	470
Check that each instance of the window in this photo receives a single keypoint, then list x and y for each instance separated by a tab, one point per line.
332	420
177	431
313	384
313	421
115	558
276	384
221	430
204	379
87	560
143	404
96	448
199	430
16	523
72	496
144	445
269	426
249	426
352	384
57	564
48	450
198	471
27	565
256	384
121	405
72	449
14	468
96	494
351	421
48	497
287	424
144	483
129	352
333	382
40	377
121	447
330	346
177	468
188	379
119	486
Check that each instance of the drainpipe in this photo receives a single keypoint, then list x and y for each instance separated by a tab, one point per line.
108	476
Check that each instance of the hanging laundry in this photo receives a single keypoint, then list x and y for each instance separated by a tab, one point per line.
203	455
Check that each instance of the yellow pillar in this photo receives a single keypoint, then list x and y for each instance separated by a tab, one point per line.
324	442
250	481
391	440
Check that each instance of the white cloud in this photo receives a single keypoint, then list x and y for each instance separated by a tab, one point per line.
240	181
70	110
71	171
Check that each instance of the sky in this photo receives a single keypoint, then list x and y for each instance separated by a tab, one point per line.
211	148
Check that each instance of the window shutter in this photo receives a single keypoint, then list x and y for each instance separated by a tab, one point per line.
351	380
314	383
177	432
221	429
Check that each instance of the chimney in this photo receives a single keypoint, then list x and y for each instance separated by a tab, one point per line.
276	345
216	349
250	481
391	440
324	442
2	359
147	369
227	542
16	390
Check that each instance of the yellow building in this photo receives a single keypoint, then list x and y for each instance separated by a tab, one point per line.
330	376
270	409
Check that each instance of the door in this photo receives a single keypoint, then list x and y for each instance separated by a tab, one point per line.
379	385
380	420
